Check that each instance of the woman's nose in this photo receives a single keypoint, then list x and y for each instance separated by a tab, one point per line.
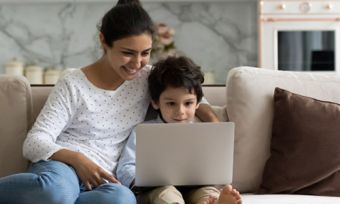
137	62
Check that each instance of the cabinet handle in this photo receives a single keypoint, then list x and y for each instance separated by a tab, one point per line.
282	7
329	7
299	19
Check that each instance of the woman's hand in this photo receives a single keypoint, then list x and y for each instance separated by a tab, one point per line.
89	172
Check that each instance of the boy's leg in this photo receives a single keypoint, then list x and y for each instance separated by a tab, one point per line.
45	182
165	195
201	194
108	193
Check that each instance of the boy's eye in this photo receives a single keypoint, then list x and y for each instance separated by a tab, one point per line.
189	103
170	103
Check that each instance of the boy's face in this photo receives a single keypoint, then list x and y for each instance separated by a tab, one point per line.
177	105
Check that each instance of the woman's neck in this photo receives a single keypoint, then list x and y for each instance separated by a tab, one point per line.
102	75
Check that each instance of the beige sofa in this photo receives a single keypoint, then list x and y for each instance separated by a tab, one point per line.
247	99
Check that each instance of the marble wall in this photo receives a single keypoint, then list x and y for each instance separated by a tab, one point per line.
218	35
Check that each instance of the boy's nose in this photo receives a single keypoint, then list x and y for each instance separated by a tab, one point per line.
180	110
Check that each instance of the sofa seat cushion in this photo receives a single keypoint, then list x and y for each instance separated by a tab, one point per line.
16	118
288	199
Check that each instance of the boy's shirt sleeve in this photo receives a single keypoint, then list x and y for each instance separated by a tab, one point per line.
126	169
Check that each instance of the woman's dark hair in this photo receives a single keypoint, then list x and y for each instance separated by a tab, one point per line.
175	72
126	19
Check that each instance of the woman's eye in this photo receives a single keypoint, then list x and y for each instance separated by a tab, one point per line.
128	53
145	54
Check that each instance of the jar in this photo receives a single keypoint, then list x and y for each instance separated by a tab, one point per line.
51	76
34	74
14	67
209	78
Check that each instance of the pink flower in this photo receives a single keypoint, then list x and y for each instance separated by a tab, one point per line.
163	42
165	34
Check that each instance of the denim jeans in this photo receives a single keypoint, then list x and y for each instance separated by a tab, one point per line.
53	182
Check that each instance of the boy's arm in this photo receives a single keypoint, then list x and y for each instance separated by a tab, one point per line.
206	114
126	168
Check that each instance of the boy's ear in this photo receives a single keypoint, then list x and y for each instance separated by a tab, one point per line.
155	105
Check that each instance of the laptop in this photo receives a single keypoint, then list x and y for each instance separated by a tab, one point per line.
184	154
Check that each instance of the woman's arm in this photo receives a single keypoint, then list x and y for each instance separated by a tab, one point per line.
206	114
40	142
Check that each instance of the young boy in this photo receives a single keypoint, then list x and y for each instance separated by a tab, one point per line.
175	89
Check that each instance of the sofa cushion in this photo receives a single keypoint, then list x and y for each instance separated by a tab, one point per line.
288	199
16	113
250	105
220	112
305	138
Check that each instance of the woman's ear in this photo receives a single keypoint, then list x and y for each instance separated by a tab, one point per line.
102	41
155	105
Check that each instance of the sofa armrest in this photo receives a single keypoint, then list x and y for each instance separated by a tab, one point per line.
15	120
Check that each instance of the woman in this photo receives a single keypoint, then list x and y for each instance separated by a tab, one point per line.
78	137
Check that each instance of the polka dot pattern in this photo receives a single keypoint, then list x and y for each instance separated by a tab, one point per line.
81	117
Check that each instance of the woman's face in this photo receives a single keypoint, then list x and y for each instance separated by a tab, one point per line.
129	55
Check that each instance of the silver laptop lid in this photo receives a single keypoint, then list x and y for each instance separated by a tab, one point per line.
184	154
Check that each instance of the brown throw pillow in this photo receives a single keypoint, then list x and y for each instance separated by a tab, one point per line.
305	147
